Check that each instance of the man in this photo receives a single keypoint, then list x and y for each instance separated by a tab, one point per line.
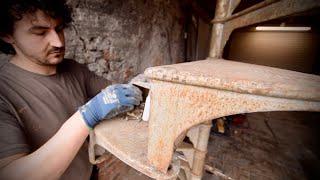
44	120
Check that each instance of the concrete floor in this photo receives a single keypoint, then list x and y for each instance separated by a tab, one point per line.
270	146
276	145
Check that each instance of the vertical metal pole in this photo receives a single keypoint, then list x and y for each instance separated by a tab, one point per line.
200	147
224	8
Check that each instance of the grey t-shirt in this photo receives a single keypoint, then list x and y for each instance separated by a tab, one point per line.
33	107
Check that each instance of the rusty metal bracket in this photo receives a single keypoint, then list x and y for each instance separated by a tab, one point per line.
188	94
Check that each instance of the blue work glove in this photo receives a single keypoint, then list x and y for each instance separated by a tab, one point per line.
111	101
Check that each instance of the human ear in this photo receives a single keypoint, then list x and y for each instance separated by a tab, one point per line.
7	38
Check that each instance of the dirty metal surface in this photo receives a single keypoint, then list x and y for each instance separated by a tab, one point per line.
127	139
241	77
224	9
221	17
176	106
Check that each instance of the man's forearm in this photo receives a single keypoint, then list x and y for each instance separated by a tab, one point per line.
54	157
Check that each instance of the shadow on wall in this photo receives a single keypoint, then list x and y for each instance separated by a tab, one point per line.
296	51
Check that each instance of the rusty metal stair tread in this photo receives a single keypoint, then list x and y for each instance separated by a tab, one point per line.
241	77
128	140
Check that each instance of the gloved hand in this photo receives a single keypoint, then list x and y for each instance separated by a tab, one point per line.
111	101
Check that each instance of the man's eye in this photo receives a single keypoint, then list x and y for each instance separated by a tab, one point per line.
40	33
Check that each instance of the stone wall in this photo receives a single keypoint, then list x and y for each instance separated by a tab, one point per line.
118	39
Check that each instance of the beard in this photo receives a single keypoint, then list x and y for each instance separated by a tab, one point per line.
52	58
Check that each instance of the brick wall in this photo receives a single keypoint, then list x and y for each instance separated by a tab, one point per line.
119	39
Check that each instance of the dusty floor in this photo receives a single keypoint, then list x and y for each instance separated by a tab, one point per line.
271	146
276	145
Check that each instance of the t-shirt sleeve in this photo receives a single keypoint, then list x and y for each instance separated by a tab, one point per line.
94	83
12	137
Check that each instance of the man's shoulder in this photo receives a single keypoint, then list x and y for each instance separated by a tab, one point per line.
3	59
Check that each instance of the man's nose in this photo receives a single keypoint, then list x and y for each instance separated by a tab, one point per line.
55	39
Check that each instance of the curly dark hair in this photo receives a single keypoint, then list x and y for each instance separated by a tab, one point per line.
13	10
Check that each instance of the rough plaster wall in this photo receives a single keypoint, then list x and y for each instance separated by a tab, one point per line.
120	38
